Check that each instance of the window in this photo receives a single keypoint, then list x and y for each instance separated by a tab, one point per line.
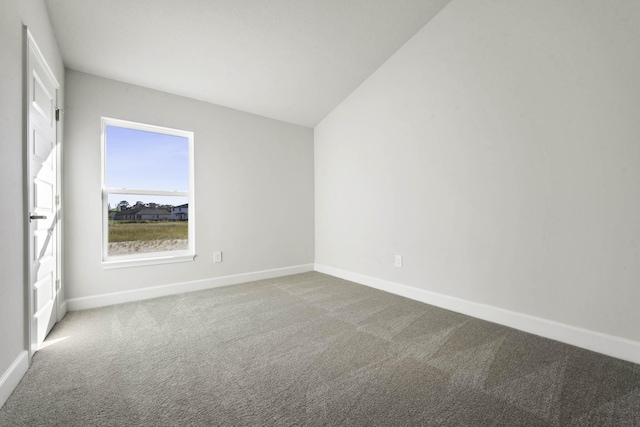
147	194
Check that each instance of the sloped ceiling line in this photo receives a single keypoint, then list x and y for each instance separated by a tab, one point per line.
289	60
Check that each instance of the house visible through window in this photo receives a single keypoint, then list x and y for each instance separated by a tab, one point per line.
147	193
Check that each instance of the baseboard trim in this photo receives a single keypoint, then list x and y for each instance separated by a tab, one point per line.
103	300
610	345
10	379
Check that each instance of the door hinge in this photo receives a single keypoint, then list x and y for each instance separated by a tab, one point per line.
57	284
58	111
57	199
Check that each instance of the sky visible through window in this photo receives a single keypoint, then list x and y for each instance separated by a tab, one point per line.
144	160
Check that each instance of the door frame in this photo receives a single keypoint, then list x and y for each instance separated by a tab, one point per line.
29	43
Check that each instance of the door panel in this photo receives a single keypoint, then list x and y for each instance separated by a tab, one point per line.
43	101
43	186
43	192
42	147
44	292
43	249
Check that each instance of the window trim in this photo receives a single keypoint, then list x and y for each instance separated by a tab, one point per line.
134	260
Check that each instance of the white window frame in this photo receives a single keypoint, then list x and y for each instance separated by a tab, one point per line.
133	260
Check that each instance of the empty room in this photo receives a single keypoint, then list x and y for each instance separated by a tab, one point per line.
304	212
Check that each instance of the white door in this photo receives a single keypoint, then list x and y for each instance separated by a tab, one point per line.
42	175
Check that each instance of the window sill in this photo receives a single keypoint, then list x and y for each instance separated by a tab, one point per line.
138	262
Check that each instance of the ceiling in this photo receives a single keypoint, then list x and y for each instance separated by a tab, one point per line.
290	60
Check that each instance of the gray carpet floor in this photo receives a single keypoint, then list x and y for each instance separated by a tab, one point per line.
311	349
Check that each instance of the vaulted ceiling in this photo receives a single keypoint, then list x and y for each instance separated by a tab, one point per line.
291	60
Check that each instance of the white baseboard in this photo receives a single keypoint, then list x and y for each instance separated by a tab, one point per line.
10	379
610	345
102	300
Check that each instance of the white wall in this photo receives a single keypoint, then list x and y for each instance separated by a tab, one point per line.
253	184
13	14
12	340
499	152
